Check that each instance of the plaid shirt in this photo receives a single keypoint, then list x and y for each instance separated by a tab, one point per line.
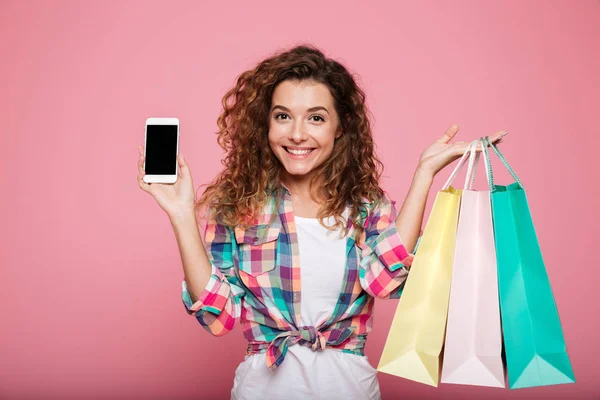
256	276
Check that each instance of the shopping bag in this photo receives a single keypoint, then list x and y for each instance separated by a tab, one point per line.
536	353
413	346
473	344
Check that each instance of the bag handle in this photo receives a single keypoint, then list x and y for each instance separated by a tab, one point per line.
459	165
487	164
485	142
472	168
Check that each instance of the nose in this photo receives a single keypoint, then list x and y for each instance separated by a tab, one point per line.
298	133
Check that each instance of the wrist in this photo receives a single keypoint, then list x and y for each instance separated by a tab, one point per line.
423	174
183	216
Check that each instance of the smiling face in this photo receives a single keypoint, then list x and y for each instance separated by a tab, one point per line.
303	125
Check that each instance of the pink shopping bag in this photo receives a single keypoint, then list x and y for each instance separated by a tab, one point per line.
473	345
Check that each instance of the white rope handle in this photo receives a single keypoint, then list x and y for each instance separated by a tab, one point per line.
486	162
472	168
459	165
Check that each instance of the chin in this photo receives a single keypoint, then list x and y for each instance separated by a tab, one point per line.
296	172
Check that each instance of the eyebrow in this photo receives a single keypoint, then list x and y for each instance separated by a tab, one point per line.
309	110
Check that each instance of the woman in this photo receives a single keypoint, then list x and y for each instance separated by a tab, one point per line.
299	236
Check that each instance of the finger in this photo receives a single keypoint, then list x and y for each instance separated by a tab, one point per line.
141	163
143	185
183	168
141	160
497	136
458	148
496	141
479	147
448	135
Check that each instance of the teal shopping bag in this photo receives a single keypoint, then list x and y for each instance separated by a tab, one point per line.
536	353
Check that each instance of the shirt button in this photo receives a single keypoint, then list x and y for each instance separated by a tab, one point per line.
255	239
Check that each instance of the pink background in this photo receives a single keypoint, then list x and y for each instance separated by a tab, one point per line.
91	276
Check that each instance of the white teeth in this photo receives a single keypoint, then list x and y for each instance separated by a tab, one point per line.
299	152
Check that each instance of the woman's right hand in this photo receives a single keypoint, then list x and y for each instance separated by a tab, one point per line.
175	199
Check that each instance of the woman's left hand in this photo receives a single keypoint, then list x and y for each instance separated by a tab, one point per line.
442	152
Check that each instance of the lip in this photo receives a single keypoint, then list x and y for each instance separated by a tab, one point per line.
298	148
299	156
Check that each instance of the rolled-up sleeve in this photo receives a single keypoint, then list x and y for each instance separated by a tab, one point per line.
219	305
385	262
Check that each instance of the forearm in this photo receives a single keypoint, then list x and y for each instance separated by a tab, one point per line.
196	265
410	216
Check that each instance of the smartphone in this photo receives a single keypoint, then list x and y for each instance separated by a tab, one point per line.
161	149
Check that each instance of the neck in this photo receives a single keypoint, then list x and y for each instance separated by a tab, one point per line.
299	186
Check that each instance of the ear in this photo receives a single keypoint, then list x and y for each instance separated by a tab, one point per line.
338	133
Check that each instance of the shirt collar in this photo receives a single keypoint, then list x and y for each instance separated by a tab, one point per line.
285	192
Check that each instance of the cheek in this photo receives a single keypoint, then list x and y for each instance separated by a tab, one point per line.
327	144
274	146
276	134
273	149
326	153
327	149
273	143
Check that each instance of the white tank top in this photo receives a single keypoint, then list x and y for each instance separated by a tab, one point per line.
305	373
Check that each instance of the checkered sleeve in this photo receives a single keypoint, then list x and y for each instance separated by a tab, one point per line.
219	306
385	262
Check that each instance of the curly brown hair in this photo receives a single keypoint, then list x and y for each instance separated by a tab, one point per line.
351	174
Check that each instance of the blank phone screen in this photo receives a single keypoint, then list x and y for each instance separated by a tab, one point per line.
161	150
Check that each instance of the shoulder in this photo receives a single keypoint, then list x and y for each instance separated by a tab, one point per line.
381	211
214	230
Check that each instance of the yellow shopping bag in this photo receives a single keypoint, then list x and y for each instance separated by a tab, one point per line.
416	337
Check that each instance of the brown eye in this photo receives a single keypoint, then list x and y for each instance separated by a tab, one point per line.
280	115
318	116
